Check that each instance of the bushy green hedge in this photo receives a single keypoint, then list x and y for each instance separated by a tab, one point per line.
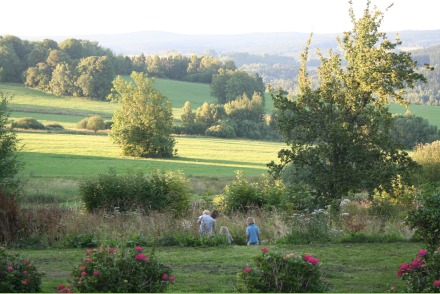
28	123
158	191
428	156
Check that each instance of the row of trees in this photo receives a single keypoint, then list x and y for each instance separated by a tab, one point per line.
243	117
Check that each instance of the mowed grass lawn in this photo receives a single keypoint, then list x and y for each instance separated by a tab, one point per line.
349	268
73	156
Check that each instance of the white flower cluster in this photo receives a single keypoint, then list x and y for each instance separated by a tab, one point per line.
344	201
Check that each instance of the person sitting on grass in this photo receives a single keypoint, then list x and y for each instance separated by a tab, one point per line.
225	231
252	232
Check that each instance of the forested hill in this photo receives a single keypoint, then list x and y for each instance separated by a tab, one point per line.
257	43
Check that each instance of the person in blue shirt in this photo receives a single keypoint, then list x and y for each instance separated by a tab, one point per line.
252	232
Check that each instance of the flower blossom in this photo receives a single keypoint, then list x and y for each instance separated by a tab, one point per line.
96	273
172	279
437	283
310	259
10	268
164	277
422	252
83	274
138	248
247	269
25	272
112	250
89	251
141	257
264	249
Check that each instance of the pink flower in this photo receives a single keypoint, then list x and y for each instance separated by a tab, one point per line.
25	272
404	267
310	259
112	250
422	252
26	261
96	273
138	248
82	268
416	263
141	257
264	249
83	274
89	251
60	287
88	259
172	279
80	282
24	282
10	268
247	269
164	277
437	283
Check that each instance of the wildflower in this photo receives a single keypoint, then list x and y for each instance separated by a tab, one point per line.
138	248
96	273
88	259
80	283
264	249
10	268
422	252
172	279
89	251
25	272
112	250
164	277
416	263
82	268
437	283
404	267
310	259
60	287
83	274
25	261
247	269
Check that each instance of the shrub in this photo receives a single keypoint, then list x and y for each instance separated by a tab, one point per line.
425	219
108	124
54	126
222	130
242	194
121	271
18	275
422	275
158	191
28	123
274	272
428	156
93	123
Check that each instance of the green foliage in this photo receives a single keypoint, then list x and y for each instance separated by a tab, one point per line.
228	85
221	130
242	194
411	130
144	123
159	191
338	132
10	164
400	193
27	123
18	275
54	126
95	76
9	218
428	157
276	273
422	274
121	271
95	123
425	219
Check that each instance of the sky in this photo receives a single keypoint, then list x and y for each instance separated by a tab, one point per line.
36	18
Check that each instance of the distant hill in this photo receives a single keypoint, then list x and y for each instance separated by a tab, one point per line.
290	44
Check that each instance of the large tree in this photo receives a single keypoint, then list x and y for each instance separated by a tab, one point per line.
338	132
144	122
9	162
95	76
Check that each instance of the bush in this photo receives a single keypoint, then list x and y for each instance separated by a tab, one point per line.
222	130
18	275
425	219
121	271
93	123
428	156
28	123
54	126
158	191
422	275
278	273
242	194
108	124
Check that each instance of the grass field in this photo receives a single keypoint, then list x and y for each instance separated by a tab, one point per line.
349	268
